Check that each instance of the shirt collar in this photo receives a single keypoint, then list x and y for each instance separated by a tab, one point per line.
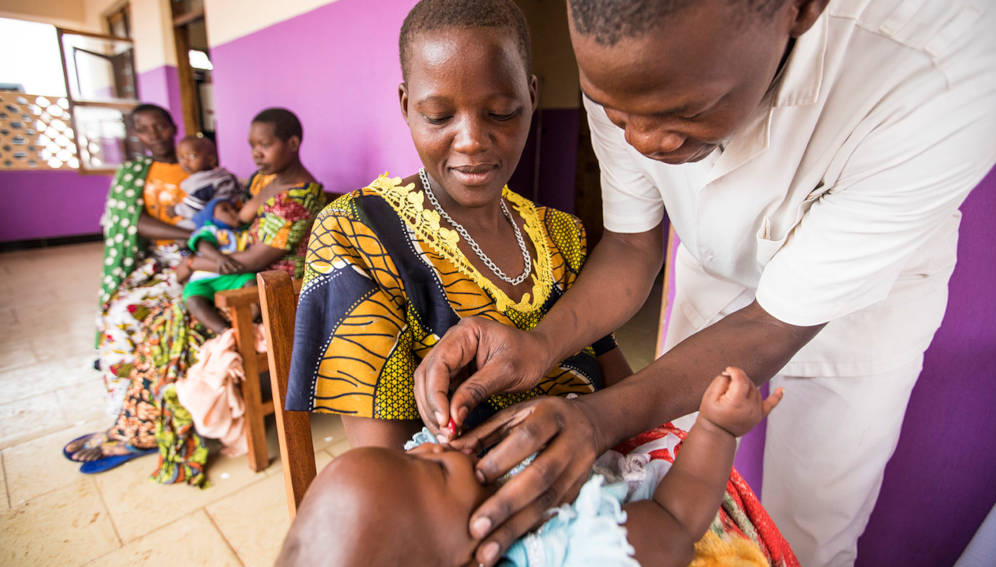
797	84
802	77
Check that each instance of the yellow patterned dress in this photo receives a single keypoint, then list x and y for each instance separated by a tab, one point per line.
383	282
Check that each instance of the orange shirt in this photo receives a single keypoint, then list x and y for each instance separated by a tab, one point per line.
162	192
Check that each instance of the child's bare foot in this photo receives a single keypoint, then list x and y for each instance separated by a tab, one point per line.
733	403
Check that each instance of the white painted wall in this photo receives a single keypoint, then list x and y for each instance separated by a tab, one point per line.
56	12
232	19
152	31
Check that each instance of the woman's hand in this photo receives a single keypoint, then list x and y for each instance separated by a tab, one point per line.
183	271
507	360
229	265
563	432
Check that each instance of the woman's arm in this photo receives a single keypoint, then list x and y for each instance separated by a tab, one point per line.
149	227
225	263
248	211
256	258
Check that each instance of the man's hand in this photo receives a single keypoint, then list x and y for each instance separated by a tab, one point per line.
564	434
507	360
733	403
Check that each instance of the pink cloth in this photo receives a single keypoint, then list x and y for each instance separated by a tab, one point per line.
211	394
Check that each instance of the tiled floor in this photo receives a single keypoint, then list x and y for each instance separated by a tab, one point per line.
50	514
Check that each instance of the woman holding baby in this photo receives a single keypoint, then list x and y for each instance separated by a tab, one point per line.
148	338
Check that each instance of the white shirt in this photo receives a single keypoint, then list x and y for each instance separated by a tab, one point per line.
838	200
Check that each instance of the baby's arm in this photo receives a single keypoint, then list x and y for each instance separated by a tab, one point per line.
663	531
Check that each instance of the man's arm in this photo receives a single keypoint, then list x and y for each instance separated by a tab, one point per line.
673	384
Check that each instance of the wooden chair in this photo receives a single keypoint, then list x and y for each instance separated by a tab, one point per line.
278	298
239	304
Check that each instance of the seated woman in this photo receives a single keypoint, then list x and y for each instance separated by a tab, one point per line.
285	199
392	266
142	245
646	502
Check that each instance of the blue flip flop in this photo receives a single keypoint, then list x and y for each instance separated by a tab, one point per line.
111	461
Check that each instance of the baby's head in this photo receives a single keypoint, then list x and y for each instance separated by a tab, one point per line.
221	211
468	95
197	154
373	506
275	137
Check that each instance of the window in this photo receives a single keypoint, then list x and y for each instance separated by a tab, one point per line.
64	98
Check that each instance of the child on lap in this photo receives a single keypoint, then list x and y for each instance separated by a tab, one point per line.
374	506
198	157
217	235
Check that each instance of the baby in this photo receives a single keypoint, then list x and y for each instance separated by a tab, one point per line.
217	235
199	158
374	506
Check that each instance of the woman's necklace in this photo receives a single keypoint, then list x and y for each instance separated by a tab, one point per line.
526	259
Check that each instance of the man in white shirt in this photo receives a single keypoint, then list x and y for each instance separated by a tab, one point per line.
811	159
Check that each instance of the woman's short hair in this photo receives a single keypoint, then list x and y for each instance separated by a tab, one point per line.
285	123
429	15
149	107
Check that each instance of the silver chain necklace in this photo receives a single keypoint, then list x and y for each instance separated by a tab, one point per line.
526	259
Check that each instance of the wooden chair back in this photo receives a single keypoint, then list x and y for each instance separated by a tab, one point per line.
239	304
278	298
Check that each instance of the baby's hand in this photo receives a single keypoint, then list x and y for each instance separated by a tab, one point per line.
733	403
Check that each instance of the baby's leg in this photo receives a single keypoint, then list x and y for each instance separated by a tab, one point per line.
203	309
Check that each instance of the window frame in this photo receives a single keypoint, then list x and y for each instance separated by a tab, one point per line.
125	106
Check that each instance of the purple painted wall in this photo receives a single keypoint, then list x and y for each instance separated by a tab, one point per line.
939	485
548	168
337	68
162	86
50	204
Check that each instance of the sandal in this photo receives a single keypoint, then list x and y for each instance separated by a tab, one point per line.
112	461
84	446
